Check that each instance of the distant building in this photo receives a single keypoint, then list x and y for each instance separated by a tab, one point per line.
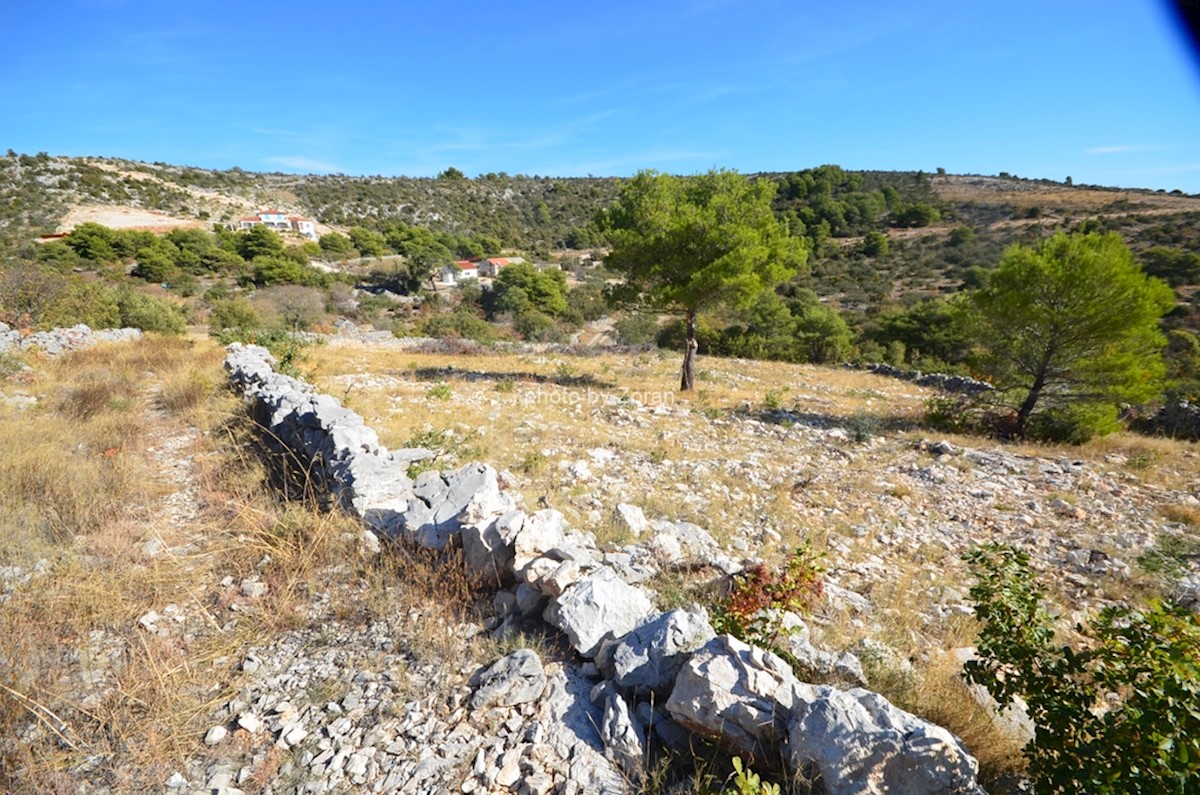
280	222
493	265
461	269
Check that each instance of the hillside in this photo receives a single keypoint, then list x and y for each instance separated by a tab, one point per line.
542	214
177	614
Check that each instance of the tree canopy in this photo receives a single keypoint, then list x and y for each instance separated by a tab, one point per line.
687	244
1071	327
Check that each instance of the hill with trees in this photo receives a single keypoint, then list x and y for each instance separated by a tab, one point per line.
889	256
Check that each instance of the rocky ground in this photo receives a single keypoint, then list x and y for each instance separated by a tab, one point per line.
345	698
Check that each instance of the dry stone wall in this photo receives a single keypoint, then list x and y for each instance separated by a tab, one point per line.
61	340
642	675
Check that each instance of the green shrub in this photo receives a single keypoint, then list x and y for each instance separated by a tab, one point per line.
636	329
233	315
148	313
1118	714
462	323
537	326
1073	424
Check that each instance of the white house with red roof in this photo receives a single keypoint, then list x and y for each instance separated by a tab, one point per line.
460	270
281	222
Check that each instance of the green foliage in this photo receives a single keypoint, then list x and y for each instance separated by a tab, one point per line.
440	391
336	245
270	270
1118	714
537	326
234	316
747	782
875	244
916	215
57	254
690	244
799	329
258	241
368	243
148	313
830	202
521	286
79	301
462	323
1182	359
93	242
155	266
939	329
636	328
1075	423
588	300
1172	265
1072	320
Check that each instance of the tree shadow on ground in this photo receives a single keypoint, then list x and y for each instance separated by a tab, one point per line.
466	374
859	425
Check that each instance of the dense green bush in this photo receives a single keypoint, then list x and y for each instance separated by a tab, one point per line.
462	323
235	316
1119	713
1074	423
636	328
148	313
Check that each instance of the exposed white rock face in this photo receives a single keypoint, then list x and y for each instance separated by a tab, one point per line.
571	721
649	658
488	551
624	738
630	519
599	606
736	694
857	742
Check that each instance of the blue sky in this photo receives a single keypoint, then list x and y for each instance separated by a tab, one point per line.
1106	91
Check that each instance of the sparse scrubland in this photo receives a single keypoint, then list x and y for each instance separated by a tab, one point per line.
162	576
140	514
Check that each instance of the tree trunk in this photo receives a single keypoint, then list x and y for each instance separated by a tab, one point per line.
1030	401
687	380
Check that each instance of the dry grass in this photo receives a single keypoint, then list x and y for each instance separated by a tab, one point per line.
83	483
86	692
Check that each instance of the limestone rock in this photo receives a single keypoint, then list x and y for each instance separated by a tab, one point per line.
488	547
648	659
541	532
624	739
598	606
631	519
515	679
857	742
571	720
736	694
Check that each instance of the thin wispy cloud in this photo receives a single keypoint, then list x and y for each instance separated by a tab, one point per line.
1119	150
301	163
